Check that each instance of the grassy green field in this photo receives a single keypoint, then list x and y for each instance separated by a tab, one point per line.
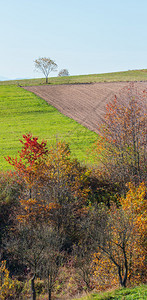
136	293
132	75
22	112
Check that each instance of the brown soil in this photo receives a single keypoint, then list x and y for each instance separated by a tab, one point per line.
84	103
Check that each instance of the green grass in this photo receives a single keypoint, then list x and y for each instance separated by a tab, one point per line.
22	112
136	293
132	75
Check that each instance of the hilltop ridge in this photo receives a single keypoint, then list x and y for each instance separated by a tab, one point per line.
131	75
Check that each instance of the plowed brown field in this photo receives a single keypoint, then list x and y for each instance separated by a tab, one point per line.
84	103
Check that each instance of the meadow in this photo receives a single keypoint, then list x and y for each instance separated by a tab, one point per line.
22	112
131	75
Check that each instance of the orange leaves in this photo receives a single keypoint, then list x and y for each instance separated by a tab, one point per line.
35	211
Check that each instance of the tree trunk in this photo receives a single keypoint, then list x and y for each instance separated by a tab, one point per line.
126	270
33	288
122	281
30	193
49	294
46	80
120	277
49	287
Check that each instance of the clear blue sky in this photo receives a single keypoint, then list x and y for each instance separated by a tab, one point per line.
84	36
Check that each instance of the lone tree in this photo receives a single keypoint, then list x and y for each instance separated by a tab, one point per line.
63	72
45	65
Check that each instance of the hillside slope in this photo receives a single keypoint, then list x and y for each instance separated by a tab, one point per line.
84	103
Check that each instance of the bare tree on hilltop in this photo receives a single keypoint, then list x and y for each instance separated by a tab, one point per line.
45	65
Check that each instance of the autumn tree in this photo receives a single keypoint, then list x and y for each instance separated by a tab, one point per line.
68	188
135	205
30	162
57	184
122	144
45	65
58	188
120	234
33	240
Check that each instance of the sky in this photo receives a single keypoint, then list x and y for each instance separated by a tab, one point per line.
83	36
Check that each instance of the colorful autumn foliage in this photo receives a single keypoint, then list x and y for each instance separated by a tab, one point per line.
30	161
55	216
55	196
54	182
121	244
122	143
67	173
135	205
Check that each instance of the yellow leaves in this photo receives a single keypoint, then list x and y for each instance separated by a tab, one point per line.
3	269
126	227
7	285
66	173
135	199
105	273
